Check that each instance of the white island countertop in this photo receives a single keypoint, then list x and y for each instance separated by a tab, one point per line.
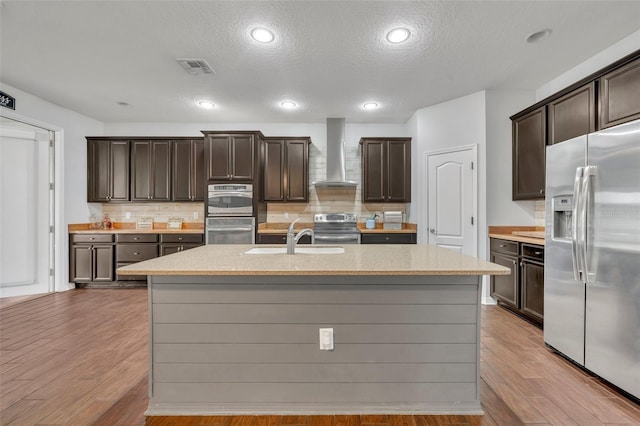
368	259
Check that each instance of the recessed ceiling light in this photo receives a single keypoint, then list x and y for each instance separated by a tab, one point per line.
370	105
262	35
288	104
398	35
206	104
538	35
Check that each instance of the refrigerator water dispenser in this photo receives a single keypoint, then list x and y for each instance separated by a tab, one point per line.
562	207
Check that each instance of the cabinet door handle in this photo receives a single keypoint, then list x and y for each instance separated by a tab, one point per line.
542	191
521	264
514	262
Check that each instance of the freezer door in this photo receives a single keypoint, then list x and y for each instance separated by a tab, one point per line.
612	342
563	293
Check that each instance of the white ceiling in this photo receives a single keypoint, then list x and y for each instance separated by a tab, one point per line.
329	56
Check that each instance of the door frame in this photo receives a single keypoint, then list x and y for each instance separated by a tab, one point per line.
474	184
60	277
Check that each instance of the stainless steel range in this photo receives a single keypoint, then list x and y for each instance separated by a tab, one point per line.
336	228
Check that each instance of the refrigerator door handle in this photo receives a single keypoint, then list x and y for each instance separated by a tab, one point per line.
575	224
586	199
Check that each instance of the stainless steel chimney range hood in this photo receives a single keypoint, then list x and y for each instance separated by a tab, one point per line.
336	168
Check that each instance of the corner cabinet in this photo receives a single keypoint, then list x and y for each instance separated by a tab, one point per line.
187	169
386	170
523	290
150	170
286	169
529	143
107	170
231	156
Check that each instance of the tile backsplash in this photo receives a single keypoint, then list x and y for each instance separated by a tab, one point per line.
330	200
160	212
539	213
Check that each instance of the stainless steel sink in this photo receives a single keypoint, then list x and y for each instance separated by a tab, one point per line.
299	250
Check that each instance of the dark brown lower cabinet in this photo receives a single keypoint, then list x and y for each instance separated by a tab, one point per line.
133	248
95	258
280	239
504	288
174	243
91	258
523	290
388	238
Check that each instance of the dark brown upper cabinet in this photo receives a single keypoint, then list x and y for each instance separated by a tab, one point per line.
286	169
231	156
150	170
619	95
107	170
572	115
188	183
529	142
386	170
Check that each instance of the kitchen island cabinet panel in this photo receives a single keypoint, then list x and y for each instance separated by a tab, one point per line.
416	307
305	373
258	339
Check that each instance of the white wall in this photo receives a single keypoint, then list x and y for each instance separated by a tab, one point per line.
611	54
501	210
71	169
450	124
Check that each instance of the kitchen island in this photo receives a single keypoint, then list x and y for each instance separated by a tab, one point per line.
237	333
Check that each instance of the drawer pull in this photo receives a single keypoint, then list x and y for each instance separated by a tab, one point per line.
503	245
92	238
136	253
387	238
136	238
537	253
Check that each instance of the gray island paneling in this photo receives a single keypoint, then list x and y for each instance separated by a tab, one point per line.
225	340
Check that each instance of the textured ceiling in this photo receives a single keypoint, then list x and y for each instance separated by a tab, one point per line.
329	56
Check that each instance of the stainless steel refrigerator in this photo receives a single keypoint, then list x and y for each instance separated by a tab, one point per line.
592	253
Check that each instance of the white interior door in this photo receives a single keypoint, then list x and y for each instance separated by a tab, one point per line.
452	195
26	209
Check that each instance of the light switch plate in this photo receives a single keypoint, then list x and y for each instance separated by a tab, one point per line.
326	339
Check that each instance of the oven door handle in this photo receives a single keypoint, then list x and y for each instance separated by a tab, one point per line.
249	228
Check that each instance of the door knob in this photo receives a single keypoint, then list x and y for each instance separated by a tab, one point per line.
433	231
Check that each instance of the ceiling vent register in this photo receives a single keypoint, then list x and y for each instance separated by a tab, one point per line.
195	66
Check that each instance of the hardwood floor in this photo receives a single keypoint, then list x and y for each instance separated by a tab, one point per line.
81	358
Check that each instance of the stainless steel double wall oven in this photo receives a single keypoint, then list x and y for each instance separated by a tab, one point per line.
230	216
